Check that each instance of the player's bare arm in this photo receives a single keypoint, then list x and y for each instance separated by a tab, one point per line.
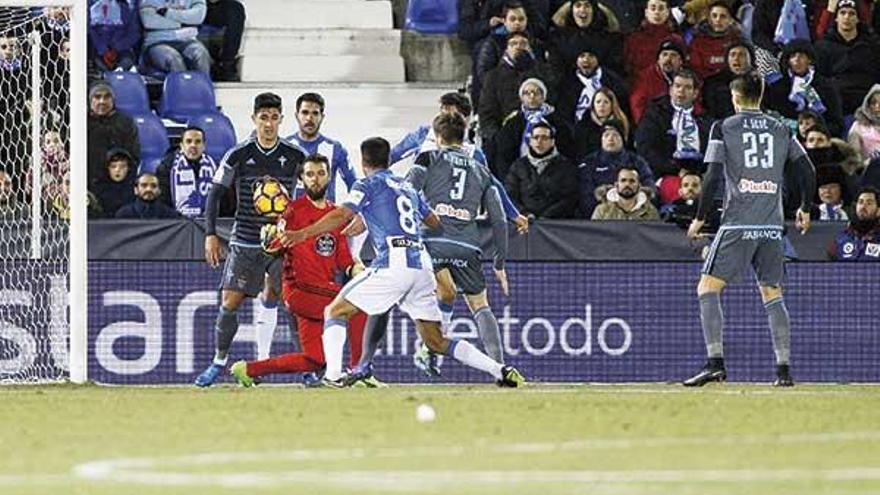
338	216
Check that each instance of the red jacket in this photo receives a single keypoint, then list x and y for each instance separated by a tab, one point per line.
315	264
650	84
708	50
640	48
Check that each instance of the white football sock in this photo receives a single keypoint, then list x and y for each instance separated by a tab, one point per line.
266	319
466	353
445	317
334	341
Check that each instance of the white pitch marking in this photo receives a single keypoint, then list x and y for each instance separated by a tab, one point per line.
150	470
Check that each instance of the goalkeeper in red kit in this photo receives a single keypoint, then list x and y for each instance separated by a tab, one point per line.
314	272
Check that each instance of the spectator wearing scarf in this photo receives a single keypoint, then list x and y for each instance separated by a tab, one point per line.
577	90
185	175
802	88
512	141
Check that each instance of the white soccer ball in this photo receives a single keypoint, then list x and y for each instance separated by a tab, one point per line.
425	414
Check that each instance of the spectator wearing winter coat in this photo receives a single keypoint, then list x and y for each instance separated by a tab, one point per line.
512	140
588	131
640	48
713	35
673	135
801	87
585	26
146	205
832	197
825	11
826	153
500	94
864	135
655	80
625	200
600	167
477	19
114	33
582	84
108	128
543	183
492	48
116	187
849	56
716	89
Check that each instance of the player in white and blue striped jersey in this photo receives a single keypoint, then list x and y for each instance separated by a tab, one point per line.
401	273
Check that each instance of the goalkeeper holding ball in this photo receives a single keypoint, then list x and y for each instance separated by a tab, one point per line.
314	272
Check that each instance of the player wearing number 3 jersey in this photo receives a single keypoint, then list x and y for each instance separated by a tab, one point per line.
752	150
401	273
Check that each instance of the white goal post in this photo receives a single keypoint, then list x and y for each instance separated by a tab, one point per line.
77	265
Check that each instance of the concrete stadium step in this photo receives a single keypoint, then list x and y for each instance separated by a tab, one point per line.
302	68
273	41
312	14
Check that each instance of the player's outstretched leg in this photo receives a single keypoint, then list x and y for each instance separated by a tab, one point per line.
712	319
431	363
464	352
362	374
266	318
226	327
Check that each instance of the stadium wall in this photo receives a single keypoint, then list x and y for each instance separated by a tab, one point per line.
152	323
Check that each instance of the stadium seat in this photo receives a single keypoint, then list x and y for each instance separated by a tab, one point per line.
152	135
130	91
432	17
219	133
149	166
186	94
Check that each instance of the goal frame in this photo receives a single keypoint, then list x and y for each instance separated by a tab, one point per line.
78	231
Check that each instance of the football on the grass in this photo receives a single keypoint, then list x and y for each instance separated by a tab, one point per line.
270	197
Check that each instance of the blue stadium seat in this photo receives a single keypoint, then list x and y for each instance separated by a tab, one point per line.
186	94
130	91
149	166
432	17
219	133
152	135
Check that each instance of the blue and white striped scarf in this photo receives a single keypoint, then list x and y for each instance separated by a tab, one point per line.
189	193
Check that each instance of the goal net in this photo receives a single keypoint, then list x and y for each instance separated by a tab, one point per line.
35	191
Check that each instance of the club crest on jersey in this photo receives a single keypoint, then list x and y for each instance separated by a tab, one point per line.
872	250
325	245
282	161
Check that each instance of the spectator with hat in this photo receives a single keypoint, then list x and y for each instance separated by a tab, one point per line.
512	141
849	55
864	135
801	87
108	128
656	79
831	194
116	187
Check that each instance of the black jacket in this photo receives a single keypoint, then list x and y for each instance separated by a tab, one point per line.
500	94
568	42
474	15
509	139
853	66
776	98
717	104
139	209
554	193
570	89
116	130
655	143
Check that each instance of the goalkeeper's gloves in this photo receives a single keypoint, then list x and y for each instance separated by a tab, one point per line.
270	239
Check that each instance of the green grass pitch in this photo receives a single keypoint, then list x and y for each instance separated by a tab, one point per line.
586	439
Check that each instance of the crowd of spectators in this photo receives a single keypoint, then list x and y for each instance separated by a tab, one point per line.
624	94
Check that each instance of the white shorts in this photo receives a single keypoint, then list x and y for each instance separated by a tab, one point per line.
376	290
